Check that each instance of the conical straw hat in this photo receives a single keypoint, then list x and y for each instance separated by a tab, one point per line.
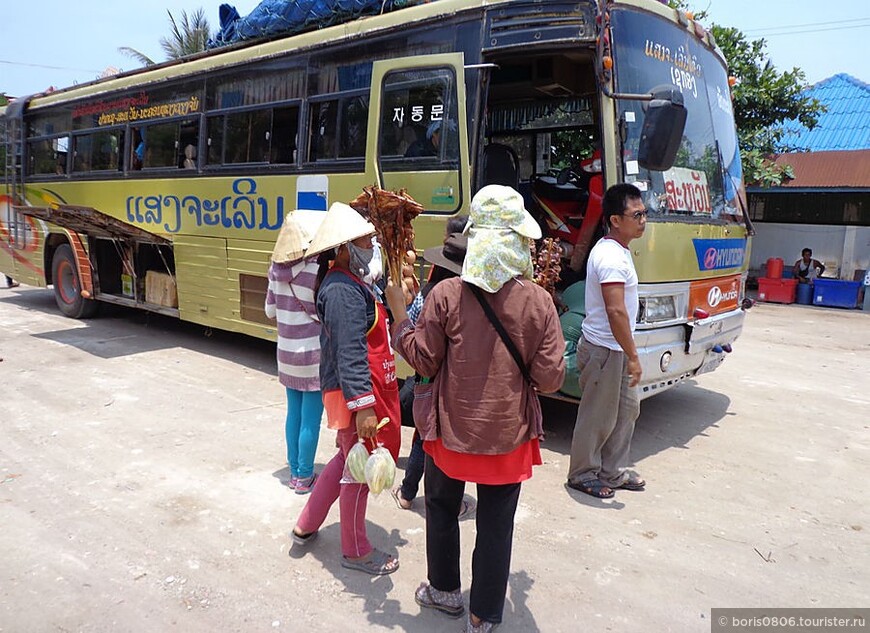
341	225
295	236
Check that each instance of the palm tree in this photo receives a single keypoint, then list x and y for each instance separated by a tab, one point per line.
189	35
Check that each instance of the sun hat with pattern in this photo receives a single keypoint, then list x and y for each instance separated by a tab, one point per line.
499	231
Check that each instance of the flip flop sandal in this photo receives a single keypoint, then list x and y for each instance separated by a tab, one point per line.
377	564
593	488
398	498
449	602
632	482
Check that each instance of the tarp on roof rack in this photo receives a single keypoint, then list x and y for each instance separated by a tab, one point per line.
272	18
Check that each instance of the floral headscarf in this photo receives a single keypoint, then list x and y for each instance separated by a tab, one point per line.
499	230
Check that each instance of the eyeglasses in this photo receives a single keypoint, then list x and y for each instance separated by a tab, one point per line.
637	215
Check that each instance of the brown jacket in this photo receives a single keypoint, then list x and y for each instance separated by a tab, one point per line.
483	405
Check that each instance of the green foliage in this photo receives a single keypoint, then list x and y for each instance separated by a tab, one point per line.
569	147
763	100
187	36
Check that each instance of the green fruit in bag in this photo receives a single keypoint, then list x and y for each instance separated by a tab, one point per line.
356	462
380	470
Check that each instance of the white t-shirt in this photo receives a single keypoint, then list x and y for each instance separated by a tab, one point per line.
609	262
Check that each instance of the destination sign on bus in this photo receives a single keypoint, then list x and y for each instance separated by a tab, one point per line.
687	190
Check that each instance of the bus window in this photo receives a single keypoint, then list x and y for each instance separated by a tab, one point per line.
247	137
354	119
48	156
323	130
215	140
99	151
160	145
418	130
285	131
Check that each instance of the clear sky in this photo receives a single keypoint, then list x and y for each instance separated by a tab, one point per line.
57	42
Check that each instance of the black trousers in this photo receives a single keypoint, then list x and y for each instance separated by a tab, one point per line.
491	560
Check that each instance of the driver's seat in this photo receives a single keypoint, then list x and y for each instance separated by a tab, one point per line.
500	166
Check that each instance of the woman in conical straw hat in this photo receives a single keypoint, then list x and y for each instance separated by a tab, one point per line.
358	379
290	300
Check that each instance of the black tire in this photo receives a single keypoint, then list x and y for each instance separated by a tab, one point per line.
68	285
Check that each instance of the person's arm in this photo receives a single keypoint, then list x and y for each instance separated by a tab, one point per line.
796	269
270	308
614	304
422	346
547	368
820	266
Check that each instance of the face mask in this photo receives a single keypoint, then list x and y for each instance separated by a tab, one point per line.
376	266
360	258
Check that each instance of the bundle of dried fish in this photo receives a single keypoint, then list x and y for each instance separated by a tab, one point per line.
392	214
547	262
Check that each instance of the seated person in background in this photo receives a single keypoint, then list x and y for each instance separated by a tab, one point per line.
189	157
806	269
426	146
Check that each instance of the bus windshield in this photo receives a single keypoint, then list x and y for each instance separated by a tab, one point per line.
706	179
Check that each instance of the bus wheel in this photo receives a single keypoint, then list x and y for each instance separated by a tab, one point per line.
68	286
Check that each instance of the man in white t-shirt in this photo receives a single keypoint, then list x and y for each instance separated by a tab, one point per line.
607	357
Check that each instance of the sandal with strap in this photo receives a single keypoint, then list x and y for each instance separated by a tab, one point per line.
632	482
593	487
377	563
449	602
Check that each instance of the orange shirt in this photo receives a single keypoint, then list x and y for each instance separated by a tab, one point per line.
493	470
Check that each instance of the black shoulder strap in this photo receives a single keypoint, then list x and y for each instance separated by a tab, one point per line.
506	339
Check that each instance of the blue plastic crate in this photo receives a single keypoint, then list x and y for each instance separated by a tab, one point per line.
835	293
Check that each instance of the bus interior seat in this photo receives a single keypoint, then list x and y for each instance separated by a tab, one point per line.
500	166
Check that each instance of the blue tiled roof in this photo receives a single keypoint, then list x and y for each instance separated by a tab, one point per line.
846	124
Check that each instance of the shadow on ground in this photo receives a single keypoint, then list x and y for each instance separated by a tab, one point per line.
117	331
374	592
668	420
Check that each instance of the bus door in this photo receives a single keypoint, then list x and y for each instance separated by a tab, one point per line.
417	118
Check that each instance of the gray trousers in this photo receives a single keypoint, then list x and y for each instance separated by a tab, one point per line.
605	418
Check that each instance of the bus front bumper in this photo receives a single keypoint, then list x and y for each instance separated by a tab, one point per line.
671	355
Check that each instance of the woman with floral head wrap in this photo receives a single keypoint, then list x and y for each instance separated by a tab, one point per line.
485	422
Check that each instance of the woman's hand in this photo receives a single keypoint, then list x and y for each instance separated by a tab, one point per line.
366	423
396	301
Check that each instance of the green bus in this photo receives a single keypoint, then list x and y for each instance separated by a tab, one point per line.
164	188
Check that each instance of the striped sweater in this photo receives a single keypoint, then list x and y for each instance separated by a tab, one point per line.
290	300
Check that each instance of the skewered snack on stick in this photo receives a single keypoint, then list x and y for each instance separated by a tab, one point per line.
391	213
547	262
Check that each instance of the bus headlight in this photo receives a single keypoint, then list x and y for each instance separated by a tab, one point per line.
654	309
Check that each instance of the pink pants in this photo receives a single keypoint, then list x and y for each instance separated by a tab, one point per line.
353	499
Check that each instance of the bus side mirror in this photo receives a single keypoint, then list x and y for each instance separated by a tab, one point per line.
662	130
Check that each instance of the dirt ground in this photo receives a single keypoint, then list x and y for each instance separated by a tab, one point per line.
140	490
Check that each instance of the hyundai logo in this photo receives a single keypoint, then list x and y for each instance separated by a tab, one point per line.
714	297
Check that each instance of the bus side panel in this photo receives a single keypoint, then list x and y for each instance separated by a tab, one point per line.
208	272
205	295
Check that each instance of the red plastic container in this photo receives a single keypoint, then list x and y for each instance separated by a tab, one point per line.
774	268
777	290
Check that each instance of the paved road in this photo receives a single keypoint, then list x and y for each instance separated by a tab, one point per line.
140	467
